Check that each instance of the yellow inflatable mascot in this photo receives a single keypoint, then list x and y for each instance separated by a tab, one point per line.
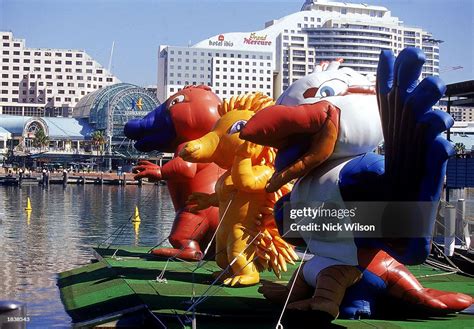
247	240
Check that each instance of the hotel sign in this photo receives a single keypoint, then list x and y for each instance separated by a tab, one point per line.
257	40
221	42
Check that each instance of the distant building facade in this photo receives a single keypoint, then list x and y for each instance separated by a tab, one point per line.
459	113
106	110
288	48
229	72
46	82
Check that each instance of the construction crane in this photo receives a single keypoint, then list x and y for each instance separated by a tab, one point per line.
110	58
451	68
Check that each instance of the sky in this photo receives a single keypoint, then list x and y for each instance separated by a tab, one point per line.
139	27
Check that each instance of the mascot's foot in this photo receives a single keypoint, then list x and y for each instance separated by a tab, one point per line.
331	285
277	293
186	253
404	286
242	280
438	301
222	276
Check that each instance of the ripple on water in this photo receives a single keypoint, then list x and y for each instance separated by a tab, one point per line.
63	227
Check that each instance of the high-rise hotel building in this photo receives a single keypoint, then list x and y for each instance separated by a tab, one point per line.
40	81
271	59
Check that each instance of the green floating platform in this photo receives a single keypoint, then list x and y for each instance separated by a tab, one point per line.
123	282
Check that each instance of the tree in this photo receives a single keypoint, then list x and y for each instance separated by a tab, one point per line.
460	148
98	141
40	140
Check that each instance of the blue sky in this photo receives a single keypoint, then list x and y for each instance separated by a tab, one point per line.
138	27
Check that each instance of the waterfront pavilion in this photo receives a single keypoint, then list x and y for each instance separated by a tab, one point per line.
4	137
109	108
65	137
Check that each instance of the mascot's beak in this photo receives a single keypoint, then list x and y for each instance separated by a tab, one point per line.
155	131
286	127
201	149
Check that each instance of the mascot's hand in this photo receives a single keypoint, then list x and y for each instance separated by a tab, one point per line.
249	150
200	201
415	151
146	169
265	217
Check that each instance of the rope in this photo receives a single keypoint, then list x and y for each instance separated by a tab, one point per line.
223	272
437	274
118	231
161	279
222	284
200	299
279	325
157	319
218	225
450	267
159	244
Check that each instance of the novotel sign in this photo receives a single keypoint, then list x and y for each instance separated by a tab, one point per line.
221	42
257	40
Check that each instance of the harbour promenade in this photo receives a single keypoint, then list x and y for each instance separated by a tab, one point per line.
97	178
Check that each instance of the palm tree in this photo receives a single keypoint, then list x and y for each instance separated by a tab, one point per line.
460	148
98	141
40	140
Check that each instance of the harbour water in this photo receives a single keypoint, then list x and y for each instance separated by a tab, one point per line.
58	235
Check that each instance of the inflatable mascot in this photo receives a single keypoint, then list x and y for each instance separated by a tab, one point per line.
325	127
245	245
187	115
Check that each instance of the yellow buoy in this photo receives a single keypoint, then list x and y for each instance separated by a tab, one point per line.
136	217
136	228
28	204
28	217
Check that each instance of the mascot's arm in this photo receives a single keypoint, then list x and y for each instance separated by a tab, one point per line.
248	177
178	169
175	169
147	169
201	201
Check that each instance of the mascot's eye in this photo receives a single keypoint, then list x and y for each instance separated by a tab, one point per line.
332	88
237	126
326	91
177	99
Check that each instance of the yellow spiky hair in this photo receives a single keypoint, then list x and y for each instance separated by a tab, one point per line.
251	102
248	102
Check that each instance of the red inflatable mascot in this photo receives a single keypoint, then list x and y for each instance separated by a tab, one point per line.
185	116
